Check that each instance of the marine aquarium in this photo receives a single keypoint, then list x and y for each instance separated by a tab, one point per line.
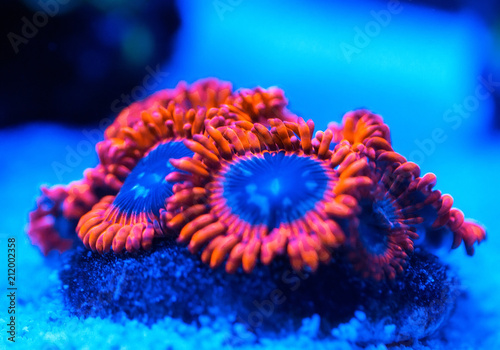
325	185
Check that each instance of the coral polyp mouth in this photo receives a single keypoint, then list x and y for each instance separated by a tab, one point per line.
137	213
273	188
258	193
145	188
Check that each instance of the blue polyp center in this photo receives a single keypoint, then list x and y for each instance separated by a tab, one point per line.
145	189
376	221
275	189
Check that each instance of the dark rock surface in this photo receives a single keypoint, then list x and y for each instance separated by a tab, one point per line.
170	281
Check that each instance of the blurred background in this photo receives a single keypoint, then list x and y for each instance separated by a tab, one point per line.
421	64
78	61
431	68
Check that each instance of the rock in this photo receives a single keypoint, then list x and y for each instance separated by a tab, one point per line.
170	281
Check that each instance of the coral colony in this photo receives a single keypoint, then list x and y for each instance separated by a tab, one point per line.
242	182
